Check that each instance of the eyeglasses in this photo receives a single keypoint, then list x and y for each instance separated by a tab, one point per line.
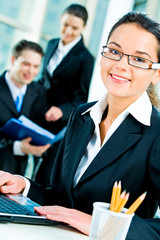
135	61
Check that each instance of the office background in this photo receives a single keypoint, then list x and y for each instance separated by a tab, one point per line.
38	20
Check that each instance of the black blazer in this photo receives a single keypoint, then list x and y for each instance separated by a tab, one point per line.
34	107
132	155
69	85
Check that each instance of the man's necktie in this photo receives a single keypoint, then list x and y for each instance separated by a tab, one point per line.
19	101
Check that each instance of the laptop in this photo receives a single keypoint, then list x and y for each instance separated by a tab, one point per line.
20	209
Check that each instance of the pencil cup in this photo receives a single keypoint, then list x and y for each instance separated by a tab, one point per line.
109	225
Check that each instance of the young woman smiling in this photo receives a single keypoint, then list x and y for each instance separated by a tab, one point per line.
116	138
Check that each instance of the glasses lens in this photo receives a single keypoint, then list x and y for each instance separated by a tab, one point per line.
132	60
111	53
140	62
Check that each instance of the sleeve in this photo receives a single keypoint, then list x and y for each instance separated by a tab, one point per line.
26	190
50	195
83	79
54	194
149	229
17	148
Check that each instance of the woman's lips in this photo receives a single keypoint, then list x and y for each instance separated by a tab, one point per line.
119	79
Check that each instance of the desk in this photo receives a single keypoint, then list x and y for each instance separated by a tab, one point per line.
13	231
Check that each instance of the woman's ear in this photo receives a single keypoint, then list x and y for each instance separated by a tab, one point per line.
156	78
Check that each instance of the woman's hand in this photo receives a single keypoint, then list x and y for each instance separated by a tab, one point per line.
53	114
11	183
73	217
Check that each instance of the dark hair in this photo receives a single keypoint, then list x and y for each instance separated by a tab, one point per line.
26	45
78	11
144	21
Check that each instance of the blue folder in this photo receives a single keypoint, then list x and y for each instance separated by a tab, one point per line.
22	127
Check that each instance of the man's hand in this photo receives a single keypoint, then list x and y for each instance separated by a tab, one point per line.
27	148
73	217
11	183
53	114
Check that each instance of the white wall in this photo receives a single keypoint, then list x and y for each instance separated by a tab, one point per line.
116	9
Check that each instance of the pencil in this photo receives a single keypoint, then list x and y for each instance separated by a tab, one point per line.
136	204
113	197
123	199
118	192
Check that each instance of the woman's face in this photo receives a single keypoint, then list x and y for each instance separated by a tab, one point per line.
121	79
71	27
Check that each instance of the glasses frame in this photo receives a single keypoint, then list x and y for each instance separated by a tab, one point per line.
154	66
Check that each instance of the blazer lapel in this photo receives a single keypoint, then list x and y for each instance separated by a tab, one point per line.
6	97
82	133
122	139
72	56
28	100
50	51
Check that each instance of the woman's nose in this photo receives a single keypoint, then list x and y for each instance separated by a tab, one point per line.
123	62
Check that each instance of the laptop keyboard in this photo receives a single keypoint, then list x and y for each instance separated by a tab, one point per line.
9	206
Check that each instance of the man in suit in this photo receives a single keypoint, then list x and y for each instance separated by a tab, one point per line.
67	72
18	81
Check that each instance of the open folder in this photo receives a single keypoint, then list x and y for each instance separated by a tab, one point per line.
22	127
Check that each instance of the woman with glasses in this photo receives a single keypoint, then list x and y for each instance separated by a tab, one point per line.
116	138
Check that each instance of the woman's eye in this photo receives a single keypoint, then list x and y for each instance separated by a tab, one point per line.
114	52
139	59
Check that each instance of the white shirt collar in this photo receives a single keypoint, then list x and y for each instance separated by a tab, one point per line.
13	88
66	48
141	110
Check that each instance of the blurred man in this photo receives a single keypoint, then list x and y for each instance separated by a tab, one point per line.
20	95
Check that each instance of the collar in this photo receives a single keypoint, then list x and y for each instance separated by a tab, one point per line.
141	110
66	48
13	88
